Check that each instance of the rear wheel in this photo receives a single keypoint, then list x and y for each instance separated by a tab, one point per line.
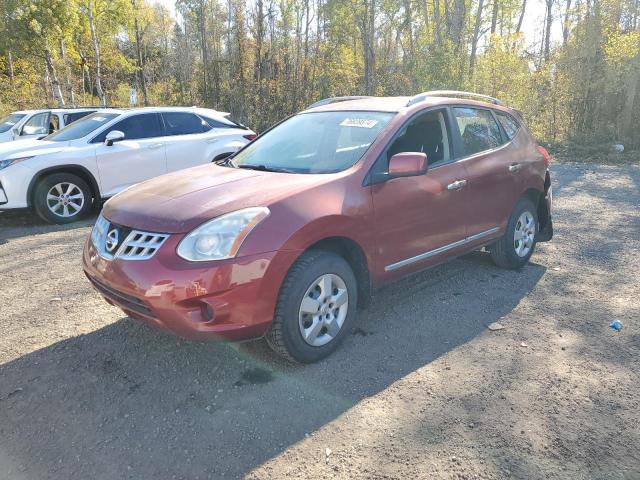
62	198
316	306
515	248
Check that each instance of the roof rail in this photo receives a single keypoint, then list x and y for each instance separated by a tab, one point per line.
328	101
453	93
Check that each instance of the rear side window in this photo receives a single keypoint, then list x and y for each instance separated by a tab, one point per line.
72	117
183	123
136	127
478	129
219	123
509	124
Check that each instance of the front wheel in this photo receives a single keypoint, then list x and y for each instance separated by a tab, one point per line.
62	198
316	306
515	248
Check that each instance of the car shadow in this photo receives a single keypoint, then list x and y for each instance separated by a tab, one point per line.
23	223
129	401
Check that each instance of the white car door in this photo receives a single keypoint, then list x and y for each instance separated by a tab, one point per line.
186	140
36	126
140	156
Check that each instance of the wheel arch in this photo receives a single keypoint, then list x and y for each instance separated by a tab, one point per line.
78	170
538	199
354	255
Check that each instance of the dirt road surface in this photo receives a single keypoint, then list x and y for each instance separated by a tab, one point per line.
421	389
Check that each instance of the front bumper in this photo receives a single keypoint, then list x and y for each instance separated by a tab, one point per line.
172	294
14	184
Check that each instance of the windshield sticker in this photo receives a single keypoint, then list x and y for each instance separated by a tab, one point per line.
98	119
358	122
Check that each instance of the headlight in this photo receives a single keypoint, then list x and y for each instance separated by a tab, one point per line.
221	237
99	231
12	161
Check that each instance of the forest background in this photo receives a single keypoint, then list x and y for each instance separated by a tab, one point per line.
577	80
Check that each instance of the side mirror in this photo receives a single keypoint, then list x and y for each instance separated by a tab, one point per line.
113	136
408	164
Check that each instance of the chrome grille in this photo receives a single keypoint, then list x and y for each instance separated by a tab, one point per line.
140	245
137	245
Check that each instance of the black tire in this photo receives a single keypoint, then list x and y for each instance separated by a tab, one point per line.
40	202
285	336
503	252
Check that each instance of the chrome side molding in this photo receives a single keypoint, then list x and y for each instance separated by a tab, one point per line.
439	250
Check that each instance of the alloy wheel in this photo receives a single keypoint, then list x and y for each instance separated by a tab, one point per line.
323	310
524	234
65	199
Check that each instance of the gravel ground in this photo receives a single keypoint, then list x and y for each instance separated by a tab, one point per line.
421	389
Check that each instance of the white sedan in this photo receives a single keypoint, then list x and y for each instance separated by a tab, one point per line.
65	173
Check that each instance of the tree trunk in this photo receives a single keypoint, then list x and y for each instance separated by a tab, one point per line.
458	22
565	23
139	59
474	39
63	53
521	19
53	76
628	130
408	19
96	53
10	60
425	4
547	31
436	20
494	16
205	54
367	33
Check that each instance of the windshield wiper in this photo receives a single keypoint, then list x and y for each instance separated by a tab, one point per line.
264	168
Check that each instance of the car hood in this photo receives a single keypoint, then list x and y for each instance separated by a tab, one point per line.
180	201
28	148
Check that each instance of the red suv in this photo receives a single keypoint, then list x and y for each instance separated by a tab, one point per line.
286	237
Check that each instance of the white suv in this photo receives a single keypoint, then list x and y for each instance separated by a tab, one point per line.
62	175
38	123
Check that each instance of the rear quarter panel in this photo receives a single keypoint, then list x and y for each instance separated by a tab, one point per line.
534	169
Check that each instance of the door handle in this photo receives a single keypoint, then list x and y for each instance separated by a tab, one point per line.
457	185
514	167
155	145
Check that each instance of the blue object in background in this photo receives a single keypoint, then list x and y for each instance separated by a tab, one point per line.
616	325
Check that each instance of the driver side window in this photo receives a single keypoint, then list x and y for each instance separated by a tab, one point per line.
427	133
36	125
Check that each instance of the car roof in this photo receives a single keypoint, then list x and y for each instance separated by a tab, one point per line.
74	109
171	109
400	104
57	110
204	111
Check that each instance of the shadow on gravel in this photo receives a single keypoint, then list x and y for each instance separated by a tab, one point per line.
126	401
24	224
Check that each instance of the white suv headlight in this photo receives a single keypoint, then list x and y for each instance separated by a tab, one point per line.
12	161
221	237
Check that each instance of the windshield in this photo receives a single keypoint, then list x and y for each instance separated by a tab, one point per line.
9	121
82	127
322	142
